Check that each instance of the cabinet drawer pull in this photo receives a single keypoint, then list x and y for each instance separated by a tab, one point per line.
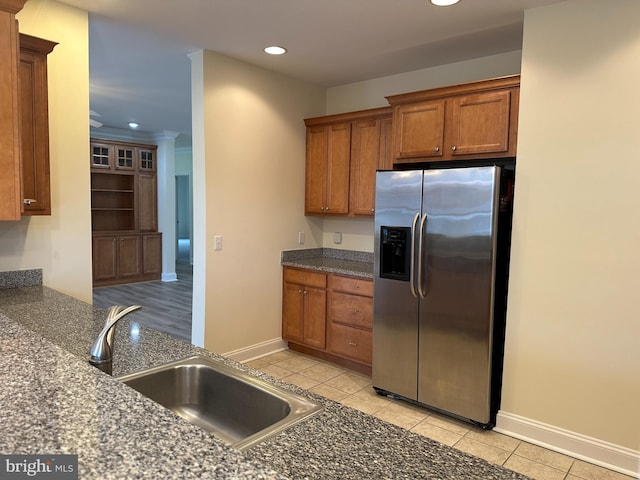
353	344
354	310
29	201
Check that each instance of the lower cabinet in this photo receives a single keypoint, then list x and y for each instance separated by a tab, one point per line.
328	316
126	258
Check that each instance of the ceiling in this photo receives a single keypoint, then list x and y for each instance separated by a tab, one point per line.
138	49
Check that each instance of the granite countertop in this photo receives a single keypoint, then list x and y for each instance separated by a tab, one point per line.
53	401
344	262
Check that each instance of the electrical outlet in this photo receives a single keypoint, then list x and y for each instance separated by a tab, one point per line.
217	242
301	238
337	237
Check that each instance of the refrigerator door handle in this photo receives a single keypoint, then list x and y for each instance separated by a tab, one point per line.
412	277
422	268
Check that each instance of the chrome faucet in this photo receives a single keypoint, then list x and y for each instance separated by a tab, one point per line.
102	349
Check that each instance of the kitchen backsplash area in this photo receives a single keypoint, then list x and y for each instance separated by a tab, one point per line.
21	278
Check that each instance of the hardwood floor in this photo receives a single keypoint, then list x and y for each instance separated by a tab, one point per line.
166	306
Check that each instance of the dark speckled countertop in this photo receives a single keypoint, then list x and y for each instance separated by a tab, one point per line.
52	401
345	262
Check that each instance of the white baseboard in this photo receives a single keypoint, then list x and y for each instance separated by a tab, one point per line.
592	450
169	277
258	350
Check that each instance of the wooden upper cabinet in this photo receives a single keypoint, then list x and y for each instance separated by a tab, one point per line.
462	122
34	124
327	169
343	153
480	123
419	130
10	181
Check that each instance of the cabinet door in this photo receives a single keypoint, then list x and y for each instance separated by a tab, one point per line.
316	170
365	153
124	158
147	161
338	161
10	183
105	250
292	312
314	318
147	198
34	123
129	264
418	130
152	254
101	155
385	159
480	123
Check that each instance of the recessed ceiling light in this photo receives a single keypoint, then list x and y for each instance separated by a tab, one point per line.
275	50
133	125
444	3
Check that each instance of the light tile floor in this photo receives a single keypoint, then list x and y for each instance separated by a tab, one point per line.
354	390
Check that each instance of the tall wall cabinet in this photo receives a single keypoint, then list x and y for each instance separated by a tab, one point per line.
24	119
127	246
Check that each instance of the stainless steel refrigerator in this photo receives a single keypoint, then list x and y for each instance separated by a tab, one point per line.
441	262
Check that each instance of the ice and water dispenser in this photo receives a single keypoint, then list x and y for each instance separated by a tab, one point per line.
395	252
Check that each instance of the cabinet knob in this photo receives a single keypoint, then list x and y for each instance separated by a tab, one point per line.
454	148
299	291
437	149
304	292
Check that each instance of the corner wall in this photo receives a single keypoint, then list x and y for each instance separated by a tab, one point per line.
572	362
248	165
60	244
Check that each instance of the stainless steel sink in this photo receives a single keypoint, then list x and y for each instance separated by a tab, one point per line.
237	408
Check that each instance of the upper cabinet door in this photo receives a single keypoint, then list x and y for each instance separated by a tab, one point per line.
480	123
34	125
10	182
338	158
316	169
419	130
365	154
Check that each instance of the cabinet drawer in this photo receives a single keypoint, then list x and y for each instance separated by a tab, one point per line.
357	286
351	310
350	342
305	277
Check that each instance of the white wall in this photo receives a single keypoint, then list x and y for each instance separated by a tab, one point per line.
250	154
572	356
60	244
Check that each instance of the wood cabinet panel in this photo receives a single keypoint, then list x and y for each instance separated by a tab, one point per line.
315	313
34	124
147	208
304	307
351	310
352	285
152	254
419	130
292	312
365	153
480	123
352	343
305	277
129	261
10	181
105	251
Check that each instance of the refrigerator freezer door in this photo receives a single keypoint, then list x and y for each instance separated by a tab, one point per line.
395	308
456	313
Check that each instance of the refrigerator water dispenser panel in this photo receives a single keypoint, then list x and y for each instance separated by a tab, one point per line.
395	253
